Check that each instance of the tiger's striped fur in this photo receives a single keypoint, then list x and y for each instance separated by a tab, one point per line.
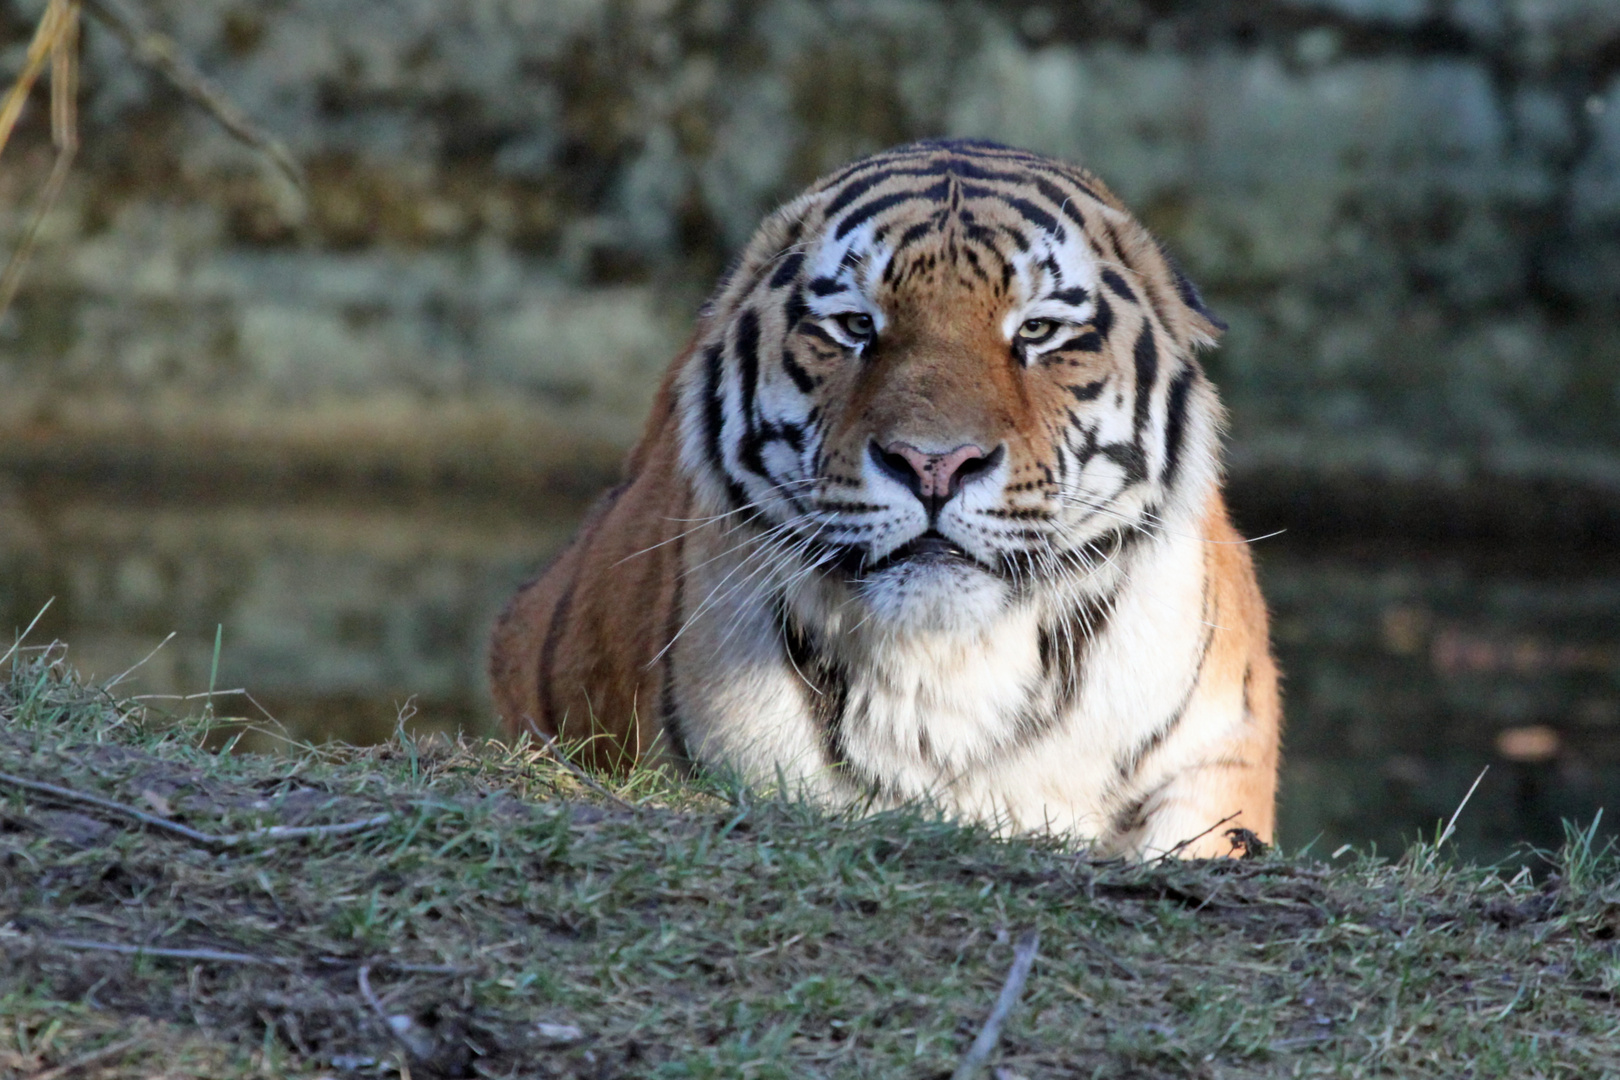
929	508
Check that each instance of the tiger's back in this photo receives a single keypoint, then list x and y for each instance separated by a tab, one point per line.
929	509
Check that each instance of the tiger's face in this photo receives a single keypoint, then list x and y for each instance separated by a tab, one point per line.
951	378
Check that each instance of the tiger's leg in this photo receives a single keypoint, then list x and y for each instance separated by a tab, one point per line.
1223	776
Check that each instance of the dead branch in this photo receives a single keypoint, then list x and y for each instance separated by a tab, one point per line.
1023	960
163	55
1191	840
152	820
213	955
211	840
56	39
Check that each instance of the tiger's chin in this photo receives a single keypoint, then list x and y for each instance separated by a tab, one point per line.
934	595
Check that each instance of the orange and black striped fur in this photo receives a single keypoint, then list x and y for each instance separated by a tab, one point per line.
929	509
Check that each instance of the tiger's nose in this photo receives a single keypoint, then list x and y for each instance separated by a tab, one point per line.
934	478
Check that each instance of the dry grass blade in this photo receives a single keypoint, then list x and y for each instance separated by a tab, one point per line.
1023	960
1451	826
58	37
579	774
46	36
29	629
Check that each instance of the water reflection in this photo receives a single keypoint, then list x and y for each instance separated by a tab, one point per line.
335	614
1407	671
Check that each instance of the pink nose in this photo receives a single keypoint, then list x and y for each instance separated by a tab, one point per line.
933	478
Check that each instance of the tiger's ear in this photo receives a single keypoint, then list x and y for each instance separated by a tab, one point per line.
1206	326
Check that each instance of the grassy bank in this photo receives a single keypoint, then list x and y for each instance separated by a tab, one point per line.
444	910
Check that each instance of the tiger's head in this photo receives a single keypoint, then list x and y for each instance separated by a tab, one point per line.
949	378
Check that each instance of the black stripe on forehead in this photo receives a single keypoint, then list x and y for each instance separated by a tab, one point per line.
1031	176
916	233
873	207
889	159
864	176
1039	178
856	188
933	149
1026	209
970	231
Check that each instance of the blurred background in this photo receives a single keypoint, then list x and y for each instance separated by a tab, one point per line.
342	427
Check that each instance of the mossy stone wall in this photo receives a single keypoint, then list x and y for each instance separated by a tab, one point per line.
1408	210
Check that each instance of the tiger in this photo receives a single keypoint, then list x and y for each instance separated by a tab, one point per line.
928	511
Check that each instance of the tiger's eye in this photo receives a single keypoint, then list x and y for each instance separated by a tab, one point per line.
857	324
1035	331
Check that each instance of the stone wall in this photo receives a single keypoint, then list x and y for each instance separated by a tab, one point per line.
1408	210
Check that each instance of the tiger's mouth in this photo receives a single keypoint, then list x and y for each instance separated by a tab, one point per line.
931	548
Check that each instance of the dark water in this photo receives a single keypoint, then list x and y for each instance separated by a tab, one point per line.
1408	670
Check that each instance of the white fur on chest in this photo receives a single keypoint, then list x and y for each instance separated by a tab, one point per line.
925	709
948	714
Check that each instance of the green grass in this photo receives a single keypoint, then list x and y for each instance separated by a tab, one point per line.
511	921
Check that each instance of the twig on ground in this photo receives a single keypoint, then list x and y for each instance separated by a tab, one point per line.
1023	959
215	955
160	53
141	816
86	1060
1191	840
551	744
412	1038
212	840
369	994
302	832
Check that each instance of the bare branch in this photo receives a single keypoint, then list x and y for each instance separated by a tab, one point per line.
1023	960
69	795
214	955
212	840
302	832
1191	840
160	53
